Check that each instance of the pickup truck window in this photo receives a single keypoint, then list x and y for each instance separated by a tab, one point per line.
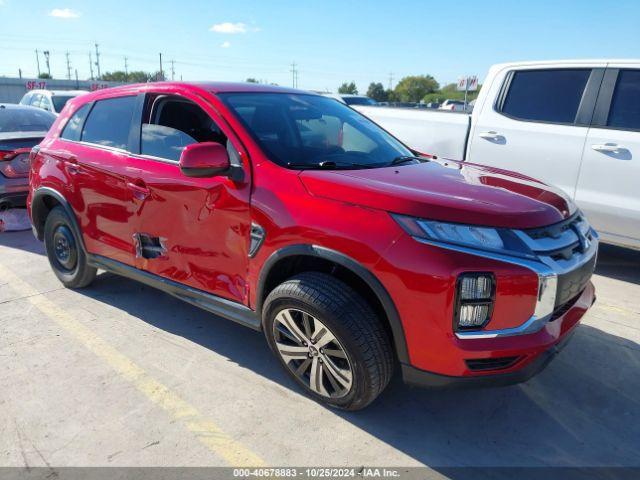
625	105
109	122
545	95
299	131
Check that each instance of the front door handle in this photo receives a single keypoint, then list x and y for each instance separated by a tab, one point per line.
608	148
139	189
71	164
490	135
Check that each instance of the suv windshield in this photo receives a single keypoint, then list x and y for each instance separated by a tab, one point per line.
309	131
59	101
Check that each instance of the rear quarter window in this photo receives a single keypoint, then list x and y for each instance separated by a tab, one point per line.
73	129
551	96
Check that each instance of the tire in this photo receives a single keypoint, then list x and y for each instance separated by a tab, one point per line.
64	250
312	300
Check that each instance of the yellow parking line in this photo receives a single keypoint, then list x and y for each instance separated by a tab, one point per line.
205	430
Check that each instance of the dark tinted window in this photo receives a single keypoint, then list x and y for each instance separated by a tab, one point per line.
546	95
73	128
359	101
109	122
59	101
25	120
625	105
170	124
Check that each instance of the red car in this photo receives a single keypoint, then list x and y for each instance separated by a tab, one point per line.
293	214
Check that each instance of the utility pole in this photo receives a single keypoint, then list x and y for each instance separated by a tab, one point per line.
46	58
91	65
390	80
77	81
173	70
161	75
294	75
68	66
38	61
98	61
20	72
126	70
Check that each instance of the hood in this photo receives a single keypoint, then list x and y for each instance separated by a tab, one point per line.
448	191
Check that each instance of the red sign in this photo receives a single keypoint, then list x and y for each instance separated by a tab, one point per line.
98	86
36	85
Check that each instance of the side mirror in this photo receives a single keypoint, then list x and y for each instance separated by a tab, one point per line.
206	159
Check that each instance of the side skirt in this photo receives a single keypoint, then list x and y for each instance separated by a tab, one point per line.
217	305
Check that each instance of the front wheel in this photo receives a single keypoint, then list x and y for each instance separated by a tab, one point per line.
329	340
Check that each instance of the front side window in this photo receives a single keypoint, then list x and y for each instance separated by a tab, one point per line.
171	123
625	105
36	100
546	95
298	131
109	122
73	128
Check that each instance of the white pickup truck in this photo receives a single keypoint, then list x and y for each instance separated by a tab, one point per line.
573	124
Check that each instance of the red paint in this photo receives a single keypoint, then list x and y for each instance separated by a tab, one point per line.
205	225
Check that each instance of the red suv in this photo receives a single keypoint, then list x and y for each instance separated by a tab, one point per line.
293	214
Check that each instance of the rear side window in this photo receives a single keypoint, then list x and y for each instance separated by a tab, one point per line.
625	105
546	95
73	128
109	122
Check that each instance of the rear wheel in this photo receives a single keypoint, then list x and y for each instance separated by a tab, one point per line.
66	256
329	340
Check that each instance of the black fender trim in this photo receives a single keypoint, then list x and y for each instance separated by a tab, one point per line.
349	263
39	210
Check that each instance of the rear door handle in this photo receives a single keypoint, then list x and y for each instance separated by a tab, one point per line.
139	189
608	148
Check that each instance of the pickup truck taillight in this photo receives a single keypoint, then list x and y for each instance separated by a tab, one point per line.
15	164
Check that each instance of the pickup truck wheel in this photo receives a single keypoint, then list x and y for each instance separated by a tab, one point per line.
329	340
66	256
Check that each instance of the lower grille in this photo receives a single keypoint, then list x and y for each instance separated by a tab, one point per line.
481	364
564	308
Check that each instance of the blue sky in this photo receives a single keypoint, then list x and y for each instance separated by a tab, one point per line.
331	40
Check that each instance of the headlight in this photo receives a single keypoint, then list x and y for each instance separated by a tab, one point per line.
498	240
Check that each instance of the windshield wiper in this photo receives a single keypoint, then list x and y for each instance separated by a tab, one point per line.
404	159
331	165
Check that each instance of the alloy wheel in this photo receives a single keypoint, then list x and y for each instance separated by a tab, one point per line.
312	353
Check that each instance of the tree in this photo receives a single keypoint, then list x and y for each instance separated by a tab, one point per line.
44	75
414	88
348	89
251	80
377	92
449	91
137	76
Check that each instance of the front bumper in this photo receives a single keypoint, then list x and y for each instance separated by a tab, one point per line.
422	378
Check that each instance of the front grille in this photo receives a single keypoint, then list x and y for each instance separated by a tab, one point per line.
481	364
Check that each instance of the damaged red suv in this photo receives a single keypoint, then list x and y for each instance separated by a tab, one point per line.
293	214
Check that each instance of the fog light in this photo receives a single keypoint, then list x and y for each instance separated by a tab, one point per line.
476	287
473	315
474	300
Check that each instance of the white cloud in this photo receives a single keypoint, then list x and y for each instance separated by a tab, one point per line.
229	27
225	44
64	13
